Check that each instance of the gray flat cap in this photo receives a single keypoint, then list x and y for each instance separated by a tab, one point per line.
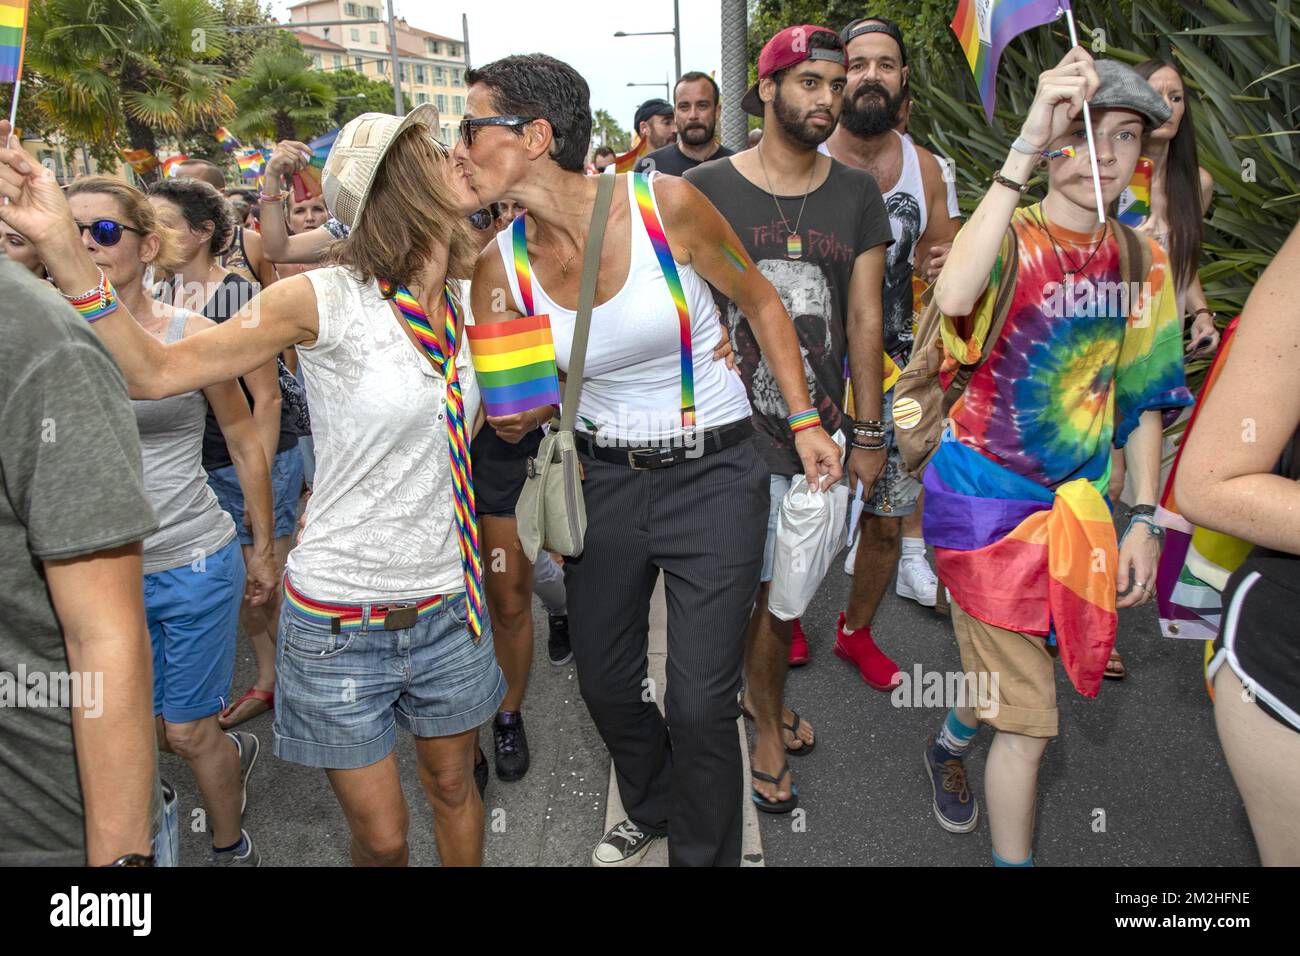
1121	88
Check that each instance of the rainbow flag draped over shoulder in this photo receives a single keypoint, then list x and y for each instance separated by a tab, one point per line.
515	364
13	34
1018	556
985	27
306	182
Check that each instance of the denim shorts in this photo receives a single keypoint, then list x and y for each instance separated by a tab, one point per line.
193	613
895	492
340	697
286	487
778	485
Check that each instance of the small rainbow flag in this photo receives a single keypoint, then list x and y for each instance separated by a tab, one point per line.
171	164
13	34
141	160
1135	200
306	182
227	139
515	364
252	162
627	162
985	27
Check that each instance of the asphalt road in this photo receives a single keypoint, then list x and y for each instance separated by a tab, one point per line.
1144	754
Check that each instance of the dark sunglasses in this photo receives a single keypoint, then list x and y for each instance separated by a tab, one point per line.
468	125
107	232
482	219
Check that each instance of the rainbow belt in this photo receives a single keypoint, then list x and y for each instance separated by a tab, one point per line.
659	240
352	617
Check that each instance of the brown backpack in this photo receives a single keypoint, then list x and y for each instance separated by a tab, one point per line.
921	403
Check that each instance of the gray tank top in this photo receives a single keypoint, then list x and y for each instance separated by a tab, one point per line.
191	524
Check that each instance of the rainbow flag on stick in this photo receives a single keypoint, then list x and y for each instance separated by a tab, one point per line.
252	162
985	27
171	164
226	139
515	364
141	160
306	182
13	37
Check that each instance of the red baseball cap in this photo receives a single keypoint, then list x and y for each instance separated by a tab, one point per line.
783	51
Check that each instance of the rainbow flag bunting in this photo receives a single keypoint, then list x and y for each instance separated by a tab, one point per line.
985	27
515	364
227	139
1135	200
306	182
13	34
141	160
252	162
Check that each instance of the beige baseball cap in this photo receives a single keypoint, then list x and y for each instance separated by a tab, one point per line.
357	154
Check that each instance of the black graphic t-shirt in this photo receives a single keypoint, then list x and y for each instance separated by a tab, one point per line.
674	162
905	222
843	218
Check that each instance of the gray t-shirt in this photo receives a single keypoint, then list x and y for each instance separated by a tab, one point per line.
70	473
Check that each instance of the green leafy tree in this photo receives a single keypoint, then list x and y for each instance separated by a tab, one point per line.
280	96
354	94
606	129
136	67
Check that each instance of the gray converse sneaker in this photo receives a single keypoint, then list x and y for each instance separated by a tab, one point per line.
248	746
246	854
624	845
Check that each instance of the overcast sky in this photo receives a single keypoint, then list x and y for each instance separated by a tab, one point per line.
581	34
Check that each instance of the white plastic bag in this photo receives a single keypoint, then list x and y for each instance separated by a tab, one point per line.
809	534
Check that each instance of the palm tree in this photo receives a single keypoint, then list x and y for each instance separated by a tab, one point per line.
140	66
281	95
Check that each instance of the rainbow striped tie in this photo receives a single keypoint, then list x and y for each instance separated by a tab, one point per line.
462	473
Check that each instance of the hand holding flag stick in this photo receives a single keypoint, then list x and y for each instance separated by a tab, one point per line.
1087	125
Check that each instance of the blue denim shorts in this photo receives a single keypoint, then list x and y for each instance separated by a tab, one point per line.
193	613
286	487
340	697
895	492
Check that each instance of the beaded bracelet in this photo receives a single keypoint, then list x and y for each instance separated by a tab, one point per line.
863	446
800	421
272	197
97	303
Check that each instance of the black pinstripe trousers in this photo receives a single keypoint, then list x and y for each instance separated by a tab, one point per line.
702	523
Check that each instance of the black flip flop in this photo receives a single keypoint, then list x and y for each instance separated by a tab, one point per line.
793	728
766	806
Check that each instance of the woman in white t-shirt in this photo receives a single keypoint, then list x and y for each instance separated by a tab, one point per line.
382	622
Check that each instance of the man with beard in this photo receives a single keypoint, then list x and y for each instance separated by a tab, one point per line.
697	126
915	195
654	123
818	231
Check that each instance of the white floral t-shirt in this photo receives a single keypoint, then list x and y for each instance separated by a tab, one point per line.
380	521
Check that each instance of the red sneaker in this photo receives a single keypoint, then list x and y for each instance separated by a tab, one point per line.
798	646
858	648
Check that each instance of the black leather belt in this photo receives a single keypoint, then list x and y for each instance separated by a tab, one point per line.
704	442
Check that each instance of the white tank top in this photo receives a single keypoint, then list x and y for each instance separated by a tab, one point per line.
380	522
631	389
910	184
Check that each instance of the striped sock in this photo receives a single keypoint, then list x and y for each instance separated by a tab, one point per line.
955	737
998	861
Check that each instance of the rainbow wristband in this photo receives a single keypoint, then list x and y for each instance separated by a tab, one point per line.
802	420
96	304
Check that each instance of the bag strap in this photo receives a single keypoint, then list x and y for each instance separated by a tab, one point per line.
1134	254
586	300
668	265
1005	277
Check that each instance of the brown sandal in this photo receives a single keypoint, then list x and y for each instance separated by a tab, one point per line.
1115	669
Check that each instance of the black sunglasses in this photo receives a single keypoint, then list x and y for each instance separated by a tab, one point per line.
107	232
468	125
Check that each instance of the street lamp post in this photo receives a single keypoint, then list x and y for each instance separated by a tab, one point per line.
398	110
675	33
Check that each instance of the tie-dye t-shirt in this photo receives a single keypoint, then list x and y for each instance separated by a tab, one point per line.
1073	369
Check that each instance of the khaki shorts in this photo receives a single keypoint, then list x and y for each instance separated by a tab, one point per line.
1019	671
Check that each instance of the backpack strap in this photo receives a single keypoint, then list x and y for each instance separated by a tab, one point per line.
1006	282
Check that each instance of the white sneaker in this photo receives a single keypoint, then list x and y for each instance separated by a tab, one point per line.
852	557
917	581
